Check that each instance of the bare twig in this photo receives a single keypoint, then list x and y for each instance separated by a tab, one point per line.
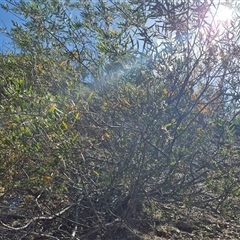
38	218
76	219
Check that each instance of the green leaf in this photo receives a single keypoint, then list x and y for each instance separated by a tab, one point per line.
90	96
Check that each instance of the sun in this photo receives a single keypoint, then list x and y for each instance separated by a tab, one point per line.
224	15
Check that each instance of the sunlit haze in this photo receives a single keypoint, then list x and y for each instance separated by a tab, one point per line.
224	14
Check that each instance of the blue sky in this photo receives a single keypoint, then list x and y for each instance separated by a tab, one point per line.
5	21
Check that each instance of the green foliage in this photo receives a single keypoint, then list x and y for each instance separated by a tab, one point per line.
111	113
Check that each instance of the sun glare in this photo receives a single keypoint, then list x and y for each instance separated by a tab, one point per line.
224	15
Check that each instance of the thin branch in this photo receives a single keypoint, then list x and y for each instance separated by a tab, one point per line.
38	218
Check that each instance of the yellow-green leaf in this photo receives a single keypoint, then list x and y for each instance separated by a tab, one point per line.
75	138
77	115
90	96
52	108
96	172
64	125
